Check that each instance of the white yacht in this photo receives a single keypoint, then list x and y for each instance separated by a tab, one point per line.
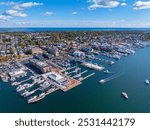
102	81
125	95
146	81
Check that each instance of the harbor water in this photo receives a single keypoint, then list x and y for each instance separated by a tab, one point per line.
91	96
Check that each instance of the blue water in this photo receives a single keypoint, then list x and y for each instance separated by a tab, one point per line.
69	29
91	96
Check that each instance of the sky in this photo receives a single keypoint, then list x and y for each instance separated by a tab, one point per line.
75	13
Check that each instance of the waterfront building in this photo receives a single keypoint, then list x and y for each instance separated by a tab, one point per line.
59	79
42	66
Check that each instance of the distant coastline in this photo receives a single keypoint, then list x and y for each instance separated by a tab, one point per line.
40	29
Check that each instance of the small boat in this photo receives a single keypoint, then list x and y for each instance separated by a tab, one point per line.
102	81
125	95
111	62
146	81
106	71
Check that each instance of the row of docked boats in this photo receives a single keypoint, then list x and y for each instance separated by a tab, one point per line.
26	93
26	86
37	98
22	87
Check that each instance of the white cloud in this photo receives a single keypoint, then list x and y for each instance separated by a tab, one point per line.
103	4
18	5
123	4
14	13
16	9
21	6
4	17
141	5
74	13
49	13
11	3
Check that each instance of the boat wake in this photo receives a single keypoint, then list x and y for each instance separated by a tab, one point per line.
112	77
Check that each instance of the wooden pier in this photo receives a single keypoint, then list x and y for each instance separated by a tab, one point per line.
87	76
80	73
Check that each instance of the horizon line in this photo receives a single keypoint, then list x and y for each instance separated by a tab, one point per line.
75	27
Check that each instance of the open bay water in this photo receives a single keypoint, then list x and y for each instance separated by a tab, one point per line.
91	96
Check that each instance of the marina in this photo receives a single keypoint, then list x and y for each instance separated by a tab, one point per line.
56	77
46	83
94	91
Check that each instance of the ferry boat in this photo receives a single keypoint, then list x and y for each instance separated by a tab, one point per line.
146	81
125	95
